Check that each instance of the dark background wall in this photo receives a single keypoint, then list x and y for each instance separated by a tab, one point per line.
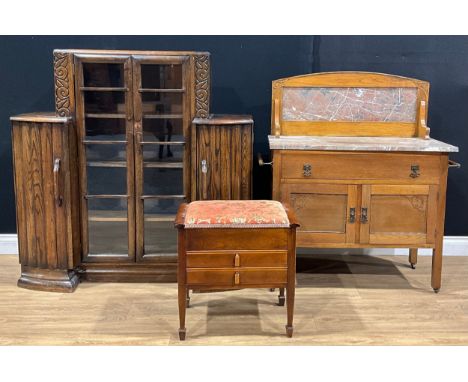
242	70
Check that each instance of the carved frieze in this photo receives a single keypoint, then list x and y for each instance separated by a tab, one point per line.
202	86
62	84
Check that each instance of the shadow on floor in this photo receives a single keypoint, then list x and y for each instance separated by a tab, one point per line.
353	271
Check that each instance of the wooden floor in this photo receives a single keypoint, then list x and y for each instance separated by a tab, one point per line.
340	300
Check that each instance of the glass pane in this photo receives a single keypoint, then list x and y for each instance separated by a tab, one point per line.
106	180
107	226
160	234
162	103
163	181
104	102
106	153
350	104
163	153
103	75
165	76
163	130
161	209
105	129
320	212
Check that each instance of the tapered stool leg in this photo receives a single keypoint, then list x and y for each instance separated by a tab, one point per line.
290	309
182	295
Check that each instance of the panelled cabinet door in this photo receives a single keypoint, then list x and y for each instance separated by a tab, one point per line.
161	124
398	214
223	162
42	195
326	212
104	118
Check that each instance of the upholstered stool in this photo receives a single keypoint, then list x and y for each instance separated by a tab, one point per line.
236	244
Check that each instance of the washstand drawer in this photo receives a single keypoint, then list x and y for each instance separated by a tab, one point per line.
236	277
416	167
221	259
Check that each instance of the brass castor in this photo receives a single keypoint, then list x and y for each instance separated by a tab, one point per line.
182	334
436	290
187	302
413	266
281	300
289	331
272	289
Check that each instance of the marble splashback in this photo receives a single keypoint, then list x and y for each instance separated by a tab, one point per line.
349	104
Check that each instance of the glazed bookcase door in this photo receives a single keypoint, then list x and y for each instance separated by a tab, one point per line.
326	212
162	120
104	117
398	214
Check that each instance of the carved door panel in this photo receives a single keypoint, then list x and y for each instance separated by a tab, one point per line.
398	214
326	212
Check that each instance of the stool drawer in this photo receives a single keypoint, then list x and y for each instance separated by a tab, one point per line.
221	259
416	167
239	277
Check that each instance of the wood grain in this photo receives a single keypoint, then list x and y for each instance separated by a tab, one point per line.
225	144
340	300
46	242
352	165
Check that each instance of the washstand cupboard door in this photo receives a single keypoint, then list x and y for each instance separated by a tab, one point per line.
398	214
326	212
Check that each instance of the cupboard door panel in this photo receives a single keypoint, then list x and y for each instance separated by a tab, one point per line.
222	157
325	211
43	196
398	214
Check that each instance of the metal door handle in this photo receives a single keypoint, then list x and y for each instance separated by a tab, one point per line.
352	215
204	167
364	219
57	189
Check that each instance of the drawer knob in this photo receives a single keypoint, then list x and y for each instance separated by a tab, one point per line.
307	169
237	260
414	171
236	278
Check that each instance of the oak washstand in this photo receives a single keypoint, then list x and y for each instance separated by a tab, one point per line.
353	158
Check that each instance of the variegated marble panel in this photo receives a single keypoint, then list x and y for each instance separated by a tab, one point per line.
350	104
293	142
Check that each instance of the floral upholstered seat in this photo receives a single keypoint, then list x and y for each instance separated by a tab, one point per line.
236	214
